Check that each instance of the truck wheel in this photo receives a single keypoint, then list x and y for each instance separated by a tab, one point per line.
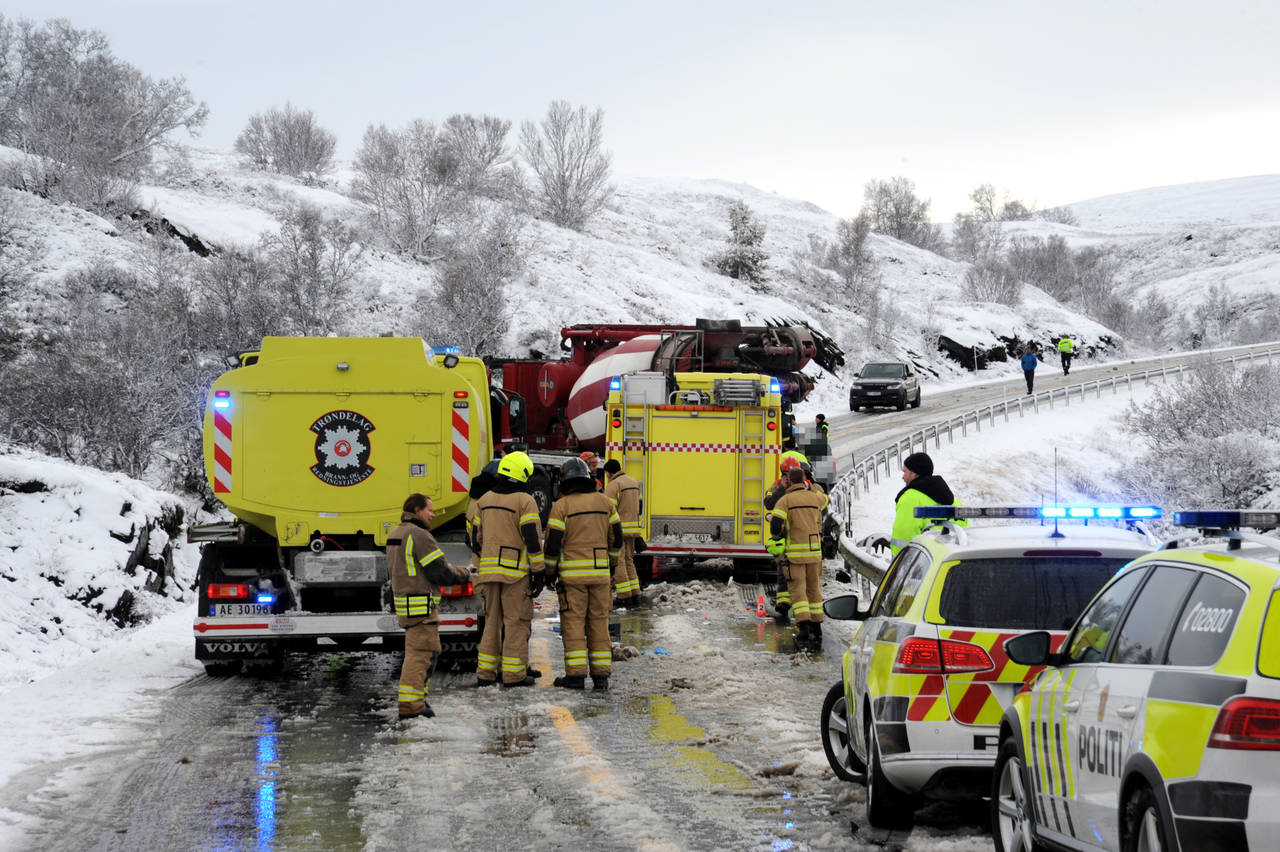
887	806
835	736
540	489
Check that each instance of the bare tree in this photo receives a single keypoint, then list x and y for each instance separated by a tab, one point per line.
289	141
1061	215
410	178
314	261
567	156
479	145
975	239
89	120
993	280
745	258
892	207
479	263
239	301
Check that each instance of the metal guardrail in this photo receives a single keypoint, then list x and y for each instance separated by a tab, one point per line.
867	471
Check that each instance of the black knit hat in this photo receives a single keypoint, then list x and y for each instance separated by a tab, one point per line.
919	464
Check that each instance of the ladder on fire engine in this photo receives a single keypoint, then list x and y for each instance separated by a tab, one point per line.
755	455
634	432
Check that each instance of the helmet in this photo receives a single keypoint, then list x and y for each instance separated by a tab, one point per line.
792	459
590	458
574	469
516	466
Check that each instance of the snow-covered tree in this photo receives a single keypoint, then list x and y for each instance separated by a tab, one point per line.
289	141
892	207
567	156
745	258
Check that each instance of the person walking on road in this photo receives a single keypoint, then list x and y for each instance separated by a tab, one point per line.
1029	363
795	531
624	492
418	569
1066	351
921	488
507	535
584	538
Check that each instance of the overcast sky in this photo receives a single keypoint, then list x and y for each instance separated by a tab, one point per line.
1052	103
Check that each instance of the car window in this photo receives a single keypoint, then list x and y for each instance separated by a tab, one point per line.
1152	616
912	576
1206	622
881	371
910	562
1035	593
1089	640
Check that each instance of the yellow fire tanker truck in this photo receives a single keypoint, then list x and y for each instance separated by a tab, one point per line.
705	448
313	445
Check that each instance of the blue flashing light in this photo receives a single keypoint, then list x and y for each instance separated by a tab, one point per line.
1053	512
222	399
1080	512
954	513
775	386
445	350
1110	512
266	598
615	383
1144	511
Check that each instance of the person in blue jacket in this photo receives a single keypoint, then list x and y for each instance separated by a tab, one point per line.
1029	362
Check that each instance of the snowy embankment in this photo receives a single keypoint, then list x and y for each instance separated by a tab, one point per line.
82	554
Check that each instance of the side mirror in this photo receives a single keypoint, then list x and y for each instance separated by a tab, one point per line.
516	416
843	608
1029	649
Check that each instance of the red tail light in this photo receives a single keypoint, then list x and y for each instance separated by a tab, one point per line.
1247	723
228	590
458	590
940	657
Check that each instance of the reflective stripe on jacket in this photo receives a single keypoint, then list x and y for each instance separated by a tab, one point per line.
584	538
418	568
798	515
501	529
624	491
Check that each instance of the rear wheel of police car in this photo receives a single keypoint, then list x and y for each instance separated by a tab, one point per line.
1012	815
887	806
1144	824
835	736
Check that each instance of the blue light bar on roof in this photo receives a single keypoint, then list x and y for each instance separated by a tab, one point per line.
775	386
615	383
445	350
1227	519
954	513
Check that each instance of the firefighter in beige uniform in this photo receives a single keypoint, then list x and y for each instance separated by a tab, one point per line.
584	537
795	530
624	491
418	569
506	534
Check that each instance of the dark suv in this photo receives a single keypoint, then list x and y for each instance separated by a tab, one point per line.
893	383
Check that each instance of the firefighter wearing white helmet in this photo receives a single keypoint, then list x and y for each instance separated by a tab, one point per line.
584	538
507	536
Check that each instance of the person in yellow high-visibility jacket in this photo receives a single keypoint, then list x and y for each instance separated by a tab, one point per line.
1066	351
922	488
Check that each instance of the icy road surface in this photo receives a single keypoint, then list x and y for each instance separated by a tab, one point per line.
706	740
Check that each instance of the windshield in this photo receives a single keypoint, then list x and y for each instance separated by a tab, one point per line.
1023	593
882	371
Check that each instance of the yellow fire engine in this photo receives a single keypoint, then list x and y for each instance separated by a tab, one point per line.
705	448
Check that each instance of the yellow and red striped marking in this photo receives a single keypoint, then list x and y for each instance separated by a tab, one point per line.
662	447
461	447
221	452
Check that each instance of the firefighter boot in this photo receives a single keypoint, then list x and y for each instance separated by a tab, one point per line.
600	683
571	681
527	681
815	633
802	634
414	709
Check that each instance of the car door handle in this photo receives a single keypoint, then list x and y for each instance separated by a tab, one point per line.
1071	706
1127	712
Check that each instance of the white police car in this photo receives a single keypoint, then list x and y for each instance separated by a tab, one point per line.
925	679
1157	726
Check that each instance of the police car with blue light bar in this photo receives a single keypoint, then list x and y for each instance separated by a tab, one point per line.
925	680
1157	724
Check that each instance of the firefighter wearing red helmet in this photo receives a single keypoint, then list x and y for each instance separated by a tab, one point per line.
593	465
795	531
791	460
584	537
